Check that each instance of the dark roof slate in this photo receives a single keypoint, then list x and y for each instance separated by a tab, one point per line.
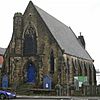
64	36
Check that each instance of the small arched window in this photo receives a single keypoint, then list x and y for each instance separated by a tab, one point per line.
85	69
51	61
74	69
94	75
90	74
30	44
79	68
68	68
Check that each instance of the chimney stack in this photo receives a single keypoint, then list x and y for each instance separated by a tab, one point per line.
81	40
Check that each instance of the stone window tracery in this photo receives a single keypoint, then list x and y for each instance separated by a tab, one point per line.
30	44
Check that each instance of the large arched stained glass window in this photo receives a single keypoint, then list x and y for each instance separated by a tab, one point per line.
30	45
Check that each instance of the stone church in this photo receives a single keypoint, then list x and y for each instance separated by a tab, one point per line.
44	56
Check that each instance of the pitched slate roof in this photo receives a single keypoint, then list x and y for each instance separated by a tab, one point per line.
2	51
63	35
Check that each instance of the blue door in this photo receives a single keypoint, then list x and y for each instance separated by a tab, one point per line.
31	73
5	81
47	82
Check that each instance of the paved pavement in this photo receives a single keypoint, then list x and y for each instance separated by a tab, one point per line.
43	98
55	98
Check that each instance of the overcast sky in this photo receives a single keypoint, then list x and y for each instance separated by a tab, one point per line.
81	15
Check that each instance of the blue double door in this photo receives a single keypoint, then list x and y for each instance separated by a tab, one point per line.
31	73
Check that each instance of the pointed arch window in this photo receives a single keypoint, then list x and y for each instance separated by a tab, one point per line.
30	44
85	69
51	61
79	69
74	69
94	74
68	69
90	75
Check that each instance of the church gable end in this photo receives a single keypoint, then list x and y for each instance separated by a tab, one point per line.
31	40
